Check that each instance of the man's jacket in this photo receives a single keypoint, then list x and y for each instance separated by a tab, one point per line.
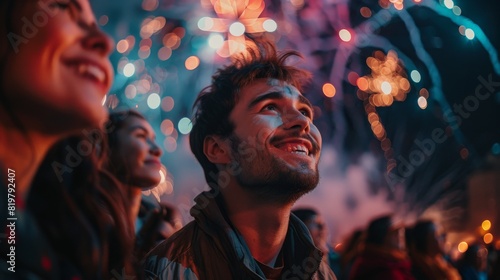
209	248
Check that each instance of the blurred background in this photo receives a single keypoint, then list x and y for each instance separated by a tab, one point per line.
406	94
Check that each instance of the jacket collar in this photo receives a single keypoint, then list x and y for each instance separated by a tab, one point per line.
298	248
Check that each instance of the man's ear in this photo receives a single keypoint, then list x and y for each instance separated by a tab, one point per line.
216	150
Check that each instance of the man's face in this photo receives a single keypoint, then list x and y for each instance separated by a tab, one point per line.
275	142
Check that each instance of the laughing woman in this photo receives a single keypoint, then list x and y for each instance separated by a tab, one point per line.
54	72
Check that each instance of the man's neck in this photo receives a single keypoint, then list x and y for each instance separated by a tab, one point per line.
262	225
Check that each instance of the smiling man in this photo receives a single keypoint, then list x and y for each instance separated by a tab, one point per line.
254	136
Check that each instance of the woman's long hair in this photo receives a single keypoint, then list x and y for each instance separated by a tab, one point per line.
82	210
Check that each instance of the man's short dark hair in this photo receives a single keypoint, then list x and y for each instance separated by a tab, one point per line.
215	102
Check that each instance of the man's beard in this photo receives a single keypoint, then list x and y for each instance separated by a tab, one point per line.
270	179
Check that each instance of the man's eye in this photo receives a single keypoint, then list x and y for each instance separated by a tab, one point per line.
306	112
60	5
270	107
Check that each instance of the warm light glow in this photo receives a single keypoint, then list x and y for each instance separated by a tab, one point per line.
167	127
462	247
205	23
270	25
215	41
144	52
422	102
171	40
150	5
366	12
297	3
237	29
130	91
469	33
164	53
488	238
185	125
167	104
329	90
415	76
192	62
129	70
345	35
398	6
461	29
386	87
122	46
449	4
486	225
154	100
103	20
424	92
362	83
170	144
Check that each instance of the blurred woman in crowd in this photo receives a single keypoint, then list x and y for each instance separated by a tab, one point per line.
383	256
425	247
55	71
134	159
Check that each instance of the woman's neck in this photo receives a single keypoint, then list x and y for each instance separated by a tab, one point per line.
135	202
21	154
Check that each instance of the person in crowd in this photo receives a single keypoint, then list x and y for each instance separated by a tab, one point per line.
319	233
159	221
133	157
55	71
425	248
474	263
350	250
254	136
384	256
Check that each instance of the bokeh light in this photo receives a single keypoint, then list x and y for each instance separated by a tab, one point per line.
488	238
192	62
329	90
469	33
167	104
215	41
422	102
462	247
270	25
365	12
185	125
345	35
129	70
122	46
154	100
449	4
486	225
237	28
167	127
415	76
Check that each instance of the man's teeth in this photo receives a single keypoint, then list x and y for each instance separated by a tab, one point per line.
295	149
92	70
